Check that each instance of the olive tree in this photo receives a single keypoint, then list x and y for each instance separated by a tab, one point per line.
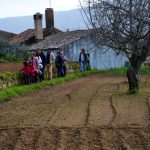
124	26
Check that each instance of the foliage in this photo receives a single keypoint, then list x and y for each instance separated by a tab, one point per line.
13	52
20	90
8	76
133	91
2	60
123	71
88	67
145	70
117	71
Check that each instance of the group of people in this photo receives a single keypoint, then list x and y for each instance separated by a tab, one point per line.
34	67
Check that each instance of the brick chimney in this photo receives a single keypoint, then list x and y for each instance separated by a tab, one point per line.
38	26
49	17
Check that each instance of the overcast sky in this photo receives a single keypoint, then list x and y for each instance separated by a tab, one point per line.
9	8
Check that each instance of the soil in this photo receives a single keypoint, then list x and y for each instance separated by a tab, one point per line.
10	67
90	113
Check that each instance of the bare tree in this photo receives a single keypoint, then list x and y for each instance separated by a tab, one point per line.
124	26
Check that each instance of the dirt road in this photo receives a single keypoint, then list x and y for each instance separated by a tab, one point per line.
92	113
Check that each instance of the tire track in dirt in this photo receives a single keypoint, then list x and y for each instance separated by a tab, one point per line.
79	99
114	112
89	105
64	103
103	101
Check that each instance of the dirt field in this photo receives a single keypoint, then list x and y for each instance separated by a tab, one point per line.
92	113
10	67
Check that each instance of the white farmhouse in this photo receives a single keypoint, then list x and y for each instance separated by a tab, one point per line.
69	42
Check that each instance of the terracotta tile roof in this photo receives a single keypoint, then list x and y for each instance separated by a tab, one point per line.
60	39
23	36
29	34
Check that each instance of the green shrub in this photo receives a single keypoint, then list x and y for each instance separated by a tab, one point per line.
2	60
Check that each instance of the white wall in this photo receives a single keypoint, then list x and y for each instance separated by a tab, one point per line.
99	58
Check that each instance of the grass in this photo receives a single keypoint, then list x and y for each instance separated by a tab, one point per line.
24	89
2	60
123	71
117	71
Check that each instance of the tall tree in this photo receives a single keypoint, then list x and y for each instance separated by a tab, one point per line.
124	26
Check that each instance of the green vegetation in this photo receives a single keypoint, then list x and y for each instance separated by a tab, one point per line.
117	71
10	52
145	70
123	70
10	76
23	89
2	60
133	91
12	57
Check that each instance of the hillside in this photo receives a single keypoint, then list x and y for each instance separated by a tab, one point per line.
64	20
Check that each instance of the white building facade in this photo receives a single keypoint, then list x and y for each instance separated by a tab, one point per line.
100	58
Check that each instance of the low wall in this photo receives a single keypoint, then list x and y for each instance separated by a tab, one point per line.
10	79
15	78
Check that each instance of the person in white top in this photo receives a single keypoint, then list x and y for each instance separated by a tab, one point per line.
40	73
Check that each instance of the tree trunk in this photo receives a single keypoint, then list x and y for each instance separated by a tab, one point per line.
133	80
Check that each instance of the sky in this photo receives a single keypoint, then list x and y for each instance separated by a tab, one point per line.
10	8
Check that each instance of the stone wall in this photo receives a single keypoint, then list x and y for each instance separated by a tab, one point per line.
15	78
9	79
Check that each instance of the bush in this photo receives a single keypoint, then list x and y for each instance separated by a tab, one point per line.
2	60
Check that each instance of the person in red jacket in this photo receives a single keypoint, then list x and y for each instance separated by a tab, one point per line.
32	73
25	71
